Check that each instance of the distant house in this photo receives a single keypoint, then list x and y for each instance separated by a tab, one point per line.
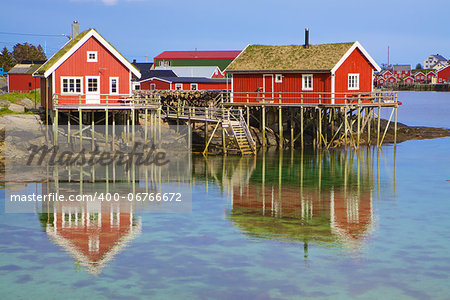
443	75
145	82
20	77
391	80
431	75
440	65
207	72
86	71
185	84
381	81
419	77
432	60
400	71
408	80
386	74
290	73
195	58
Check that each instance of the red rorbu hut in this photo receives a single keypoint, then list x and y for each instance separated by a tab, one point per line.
326	73
87	71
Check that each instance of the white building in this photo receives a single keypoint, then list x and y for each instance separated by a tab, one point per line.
432	60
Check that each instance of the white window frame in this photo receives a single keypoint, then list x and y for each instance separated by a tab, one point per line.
196	86
355	85
278	78
110	86
71	78
98	85
179	85
305	85
152	86
92	59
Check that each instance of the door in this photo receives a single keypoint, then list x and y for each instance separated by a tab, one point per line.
268	87
92	89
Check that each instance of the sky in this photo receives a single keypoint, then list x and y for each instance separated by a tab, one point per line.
141	29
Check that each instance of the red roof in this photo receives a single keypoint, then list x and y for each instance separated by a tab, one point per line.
192	55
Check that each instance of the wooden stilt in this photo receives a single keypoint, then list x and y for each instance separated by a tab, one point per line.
114	132
80	125
301	127
145	125
359	120
280	127
263	126
395	121
55	126
68	127
292	128
92	131
133	125
106	127
319	137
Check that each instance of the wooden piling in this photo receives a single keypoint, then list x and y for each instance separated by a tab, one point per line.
280	126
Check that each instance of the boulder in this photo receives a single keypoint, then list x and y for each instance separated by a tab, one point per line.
4	103
26	102
16	108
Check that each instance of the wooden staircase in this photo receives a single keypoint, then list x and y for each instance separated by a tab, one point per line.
241	134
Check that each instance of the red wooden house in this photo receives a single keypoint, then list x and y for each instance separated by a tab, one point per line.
430	76
400	71
408	80
391	80
381	81
443	75
386	74
184	83
20	77
326	73
87	71
419	77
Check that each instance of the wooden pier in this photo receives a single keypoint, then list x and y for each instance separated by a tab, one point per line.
290	117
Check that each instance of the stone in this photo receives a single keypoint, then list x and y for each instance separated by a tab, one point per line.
16	108
26	102
4	103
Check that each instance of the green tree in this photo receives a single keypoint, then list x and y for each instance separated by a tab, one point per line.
27	51
6	60
418	67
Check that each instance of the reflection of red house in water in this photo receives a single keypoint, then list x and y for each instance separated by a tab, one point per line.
93	232
348	215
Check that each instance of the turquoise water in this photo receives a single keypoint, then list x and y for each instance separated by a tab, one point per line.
342	224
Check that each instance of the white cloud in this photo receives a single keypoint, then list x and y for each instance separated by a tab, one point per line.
110	2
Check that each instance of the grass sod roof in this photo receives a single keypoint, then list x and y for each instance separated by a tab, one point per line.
66	48
293	57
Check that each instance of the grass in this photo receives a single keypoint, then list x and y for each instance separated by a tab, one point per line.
6	111
294	57
16	96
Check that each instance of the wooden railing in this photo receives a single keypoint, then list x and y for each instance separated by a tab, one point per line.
103	100
311	97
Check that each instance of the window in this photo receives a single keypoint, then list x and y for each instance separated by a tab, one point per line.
113	85
278	78
71	85
92	56
152	86
164	63
194	86
307	82
353	81
92	85
179	86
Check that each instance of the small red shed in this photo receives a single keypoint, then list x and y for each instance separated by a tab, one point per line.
443	75
381	81
87	71
20	77
325	73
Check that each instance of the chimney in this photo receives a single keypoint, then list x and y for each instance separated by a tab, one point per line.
75	29
134	61
306	45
